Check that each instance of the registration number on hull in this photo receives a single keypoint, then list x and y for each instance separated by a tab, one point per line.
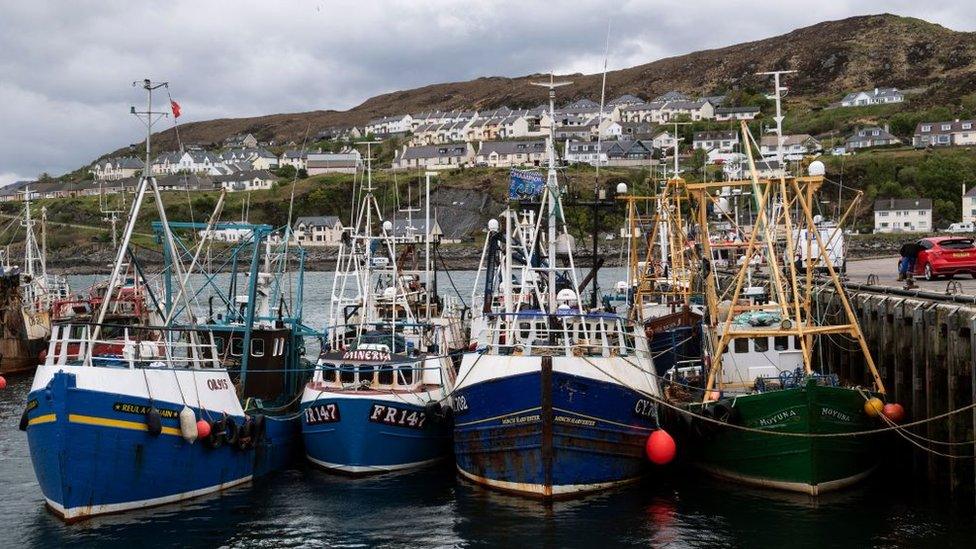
322	413
400	417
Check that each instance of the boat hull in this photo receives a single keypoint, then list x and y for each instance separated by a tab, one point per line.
551	434
92	452
371	434
802	464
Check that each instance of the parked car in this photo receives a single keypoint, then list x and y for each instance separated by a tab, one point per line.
957	228
946	256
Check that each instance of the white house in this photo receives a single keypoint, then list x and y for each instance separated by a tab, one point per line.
723	114
943	134
252	180
297	159
196	161
117	168
435	157
902	215
505	154
795	147
968	205
878	96
872	136
317	231
663	140
245	141
585	152
347	162
390	125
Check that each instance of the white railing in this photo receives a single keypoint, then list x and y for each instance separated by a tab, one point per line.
573	334
131	347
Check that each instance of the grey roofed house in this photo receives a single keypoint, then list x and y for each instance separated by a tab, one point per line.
316	221
877	95
244	175
736	110
582	104
325	162
715	100
129	162
294	154
435	151
635	149
512	147
180	182
684	105
890	204
672	96
721	135
872	136
625	100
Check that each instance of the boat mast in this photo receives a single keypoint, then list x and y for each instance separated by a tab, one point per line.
552	187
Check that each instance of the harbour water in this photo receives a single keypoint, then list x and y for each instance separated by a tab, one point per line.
304	507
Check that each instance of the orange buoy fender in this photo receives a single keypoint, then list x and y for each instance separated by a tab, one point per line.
3	383
660	447
873	406
203	429
188	424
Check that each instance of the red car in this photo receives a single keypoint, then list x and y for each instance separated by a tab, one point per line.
945	256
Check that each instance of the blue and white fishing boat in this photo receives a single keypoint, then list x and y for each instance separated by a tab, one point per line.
556	400
127	416
379	400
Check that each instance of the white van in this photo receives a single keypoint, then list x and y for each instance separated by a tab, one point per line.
956	228
805	242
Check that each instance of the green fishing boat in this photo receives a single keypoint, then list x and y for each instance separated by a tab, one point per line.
762	409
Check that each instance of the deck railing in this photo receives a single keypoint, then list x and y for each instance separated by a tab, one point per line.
569	334
131	347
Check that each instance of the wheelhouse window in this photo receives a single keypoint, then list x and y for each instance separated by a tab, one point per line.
406	374
236	346
329	373
781	343
760	344
347	374
385	376
257	348
740	345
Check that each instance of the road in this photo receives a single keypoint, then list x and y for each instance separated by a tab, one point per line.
886	269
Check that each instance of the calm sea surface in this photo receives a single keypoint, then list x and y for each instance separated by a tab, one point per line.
304	507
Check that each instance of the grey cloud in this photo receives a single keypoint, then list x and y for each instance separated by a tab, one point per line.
67	67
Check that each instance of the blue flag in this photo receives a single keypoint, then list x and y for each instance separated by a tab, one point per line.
523	185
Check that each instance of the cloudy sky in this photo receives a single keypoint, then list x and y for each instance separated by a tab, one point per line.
66	68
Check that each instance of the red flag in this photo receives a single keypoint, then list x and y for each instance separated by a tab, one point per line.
175	107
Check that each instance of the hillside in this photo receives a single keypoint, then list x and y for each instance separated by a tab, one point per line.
831	57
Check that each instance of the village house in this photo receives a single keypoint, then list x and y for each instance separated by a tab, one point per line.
795	147
252	180
872	136
627	152
505	154
944	134
390	125
196	161
625	100
435	157
724	114
117	168
317	231
241	141
723	141
345	162
663	140
694	110
585	152
878	96
185	182
262	159
637	130
902	215
296	159
968	205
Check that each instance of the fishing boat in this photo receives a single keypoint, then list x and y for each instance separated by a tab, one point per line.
27	294
763	411
379	400
661	275
128	416
555	401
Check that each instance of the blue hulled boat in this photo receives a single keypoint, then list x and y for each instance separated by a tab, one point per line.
133	409
556	400
379	399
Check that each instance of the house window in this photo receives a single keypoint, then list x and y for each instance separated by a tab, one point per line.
884	214
927	128
946	127
967	125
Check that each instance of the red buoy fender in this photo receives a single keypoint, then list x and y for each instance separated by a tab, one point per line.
3	383
894	411
660	447
203	429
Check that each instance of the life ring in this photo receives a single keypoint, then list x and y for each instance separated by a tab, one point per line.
216	437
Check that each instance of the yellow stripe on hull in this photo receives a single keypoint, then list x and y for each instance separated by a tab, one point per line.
46	418
118	424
